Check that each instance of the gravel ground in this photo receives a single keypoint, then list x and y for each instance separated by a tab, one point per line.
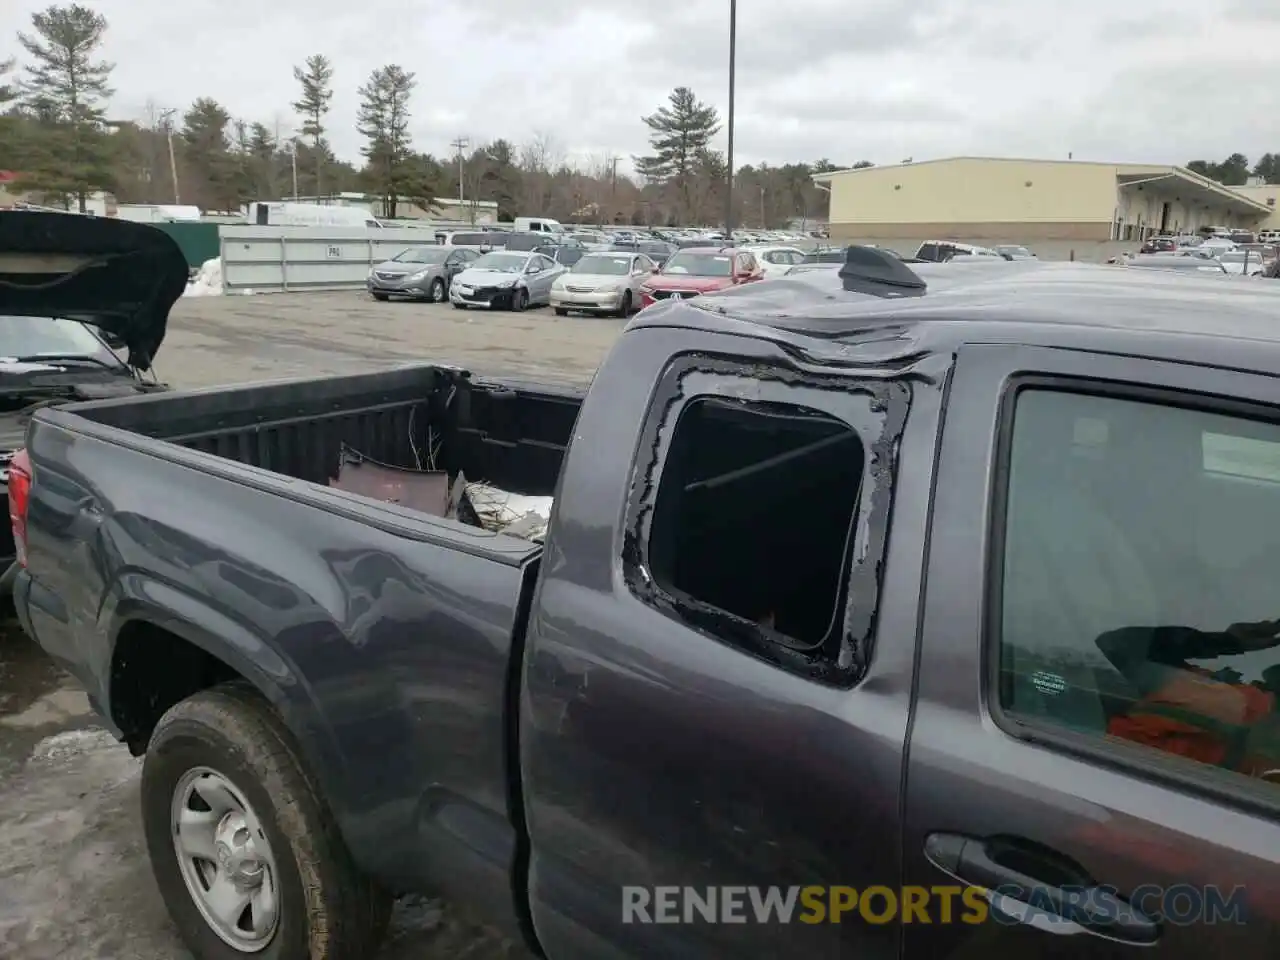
74	879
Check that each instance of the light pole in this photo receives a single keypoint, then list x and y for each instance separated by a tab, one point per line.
728	188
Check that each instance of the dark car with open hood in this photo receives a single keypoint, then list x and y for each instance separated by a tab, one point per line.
893	611
83	306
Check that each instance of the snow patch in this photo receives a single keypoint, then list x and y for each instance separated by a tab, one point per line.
72	743
208	281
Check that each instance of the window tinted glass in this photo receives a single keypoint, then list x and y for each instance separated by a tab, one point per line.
1139	578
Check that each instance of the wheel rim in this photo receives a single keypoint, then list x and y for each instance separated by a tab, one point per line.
225	859
437	292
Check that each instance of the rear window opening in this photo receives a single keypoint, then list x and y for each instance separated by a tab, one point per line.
754	516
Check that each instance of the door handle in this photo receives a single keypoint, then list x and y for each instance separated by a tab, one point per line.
1033	885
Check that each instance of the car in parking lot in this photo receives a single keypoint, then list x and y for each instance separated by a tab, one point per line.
603	282
419	273
659	251
505	279
481	241
938	251
698	270
776	260
1012	251
564	254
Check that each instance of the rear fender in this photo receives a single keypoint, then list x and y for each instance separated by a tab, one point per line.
136	597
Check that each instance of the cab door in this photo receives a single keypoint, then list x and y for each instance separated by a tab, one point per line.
673	733
1103	536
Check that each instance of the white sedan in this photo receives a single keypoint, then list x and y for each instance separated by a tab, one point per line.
776	260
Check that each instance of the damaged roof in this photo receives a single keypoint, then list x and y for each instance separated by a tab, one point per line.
1225	320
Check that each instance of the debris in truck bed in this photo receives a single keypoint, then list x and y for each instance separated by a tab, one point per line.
504	512
424	490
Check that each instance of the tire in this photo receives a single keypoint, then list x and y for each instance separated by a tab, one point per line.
519	300
561	312
381	297
624	311
437	293
228	737
459	306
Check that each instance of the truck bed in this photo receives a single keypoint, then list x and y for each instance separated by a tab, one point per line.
411	624
512	435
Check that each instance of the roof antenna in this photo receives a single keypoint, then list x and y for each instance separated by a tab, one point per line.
879	273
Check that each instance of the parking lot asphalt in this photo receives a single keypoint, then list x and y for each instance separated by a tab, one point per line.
75	883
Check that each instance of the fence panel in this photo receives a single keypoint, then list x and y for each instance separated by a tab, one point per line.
280	259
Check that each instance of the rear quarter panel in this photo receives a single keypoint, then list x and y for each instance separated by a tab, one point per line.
382	636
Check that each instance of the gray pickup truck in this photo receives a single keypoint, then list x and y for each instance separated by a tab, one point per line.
877	612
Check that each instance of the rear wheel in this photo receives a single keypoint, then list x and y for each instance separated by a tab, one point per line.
244	849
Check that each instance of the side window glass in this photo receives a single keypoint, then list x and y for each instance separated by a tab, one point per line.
929	251
1138	598
750	527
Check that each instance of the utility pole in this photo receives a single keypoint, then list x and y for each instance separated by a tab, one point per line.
461	144
293	159
166	117
728	189
613	189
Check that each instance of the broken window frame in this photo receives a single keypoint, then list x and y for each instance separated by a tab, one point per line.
875	410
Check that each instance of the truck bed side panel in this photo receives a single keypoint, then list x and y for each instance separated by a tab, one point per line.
382	636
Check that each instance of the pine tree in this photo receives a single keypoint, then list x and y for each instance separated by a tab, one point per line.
316	80
393	171
208	153
67	88
680	133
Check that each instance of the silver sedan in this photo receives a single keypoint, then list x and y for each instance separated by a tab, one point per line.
607	282
421	273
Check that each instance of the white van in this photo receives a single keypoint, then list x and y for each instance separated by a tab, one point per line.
537	225
481	240
283	214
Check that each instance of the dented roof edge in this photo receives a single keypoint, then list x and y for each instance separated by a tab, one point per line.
1086	306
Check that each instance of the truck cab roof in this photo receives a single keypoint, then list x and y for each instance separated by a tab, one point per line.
1209	318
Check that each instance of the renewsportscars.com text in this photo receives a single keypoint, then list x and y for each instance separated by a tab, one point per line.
1180	905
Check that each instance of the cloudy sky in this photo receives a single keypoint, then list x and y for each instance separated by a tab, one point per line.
880	80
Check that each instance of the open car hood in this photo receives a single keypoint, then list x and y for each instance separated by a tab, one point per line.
121	276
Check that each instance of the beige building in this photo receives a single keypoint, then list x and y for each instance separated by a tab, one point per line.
1268	194
1057	207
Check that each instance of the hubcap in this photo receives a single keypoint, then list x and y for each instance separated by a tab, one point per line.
225	859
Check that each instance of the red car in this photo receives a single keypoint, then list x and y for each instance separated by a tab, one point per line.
696	270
